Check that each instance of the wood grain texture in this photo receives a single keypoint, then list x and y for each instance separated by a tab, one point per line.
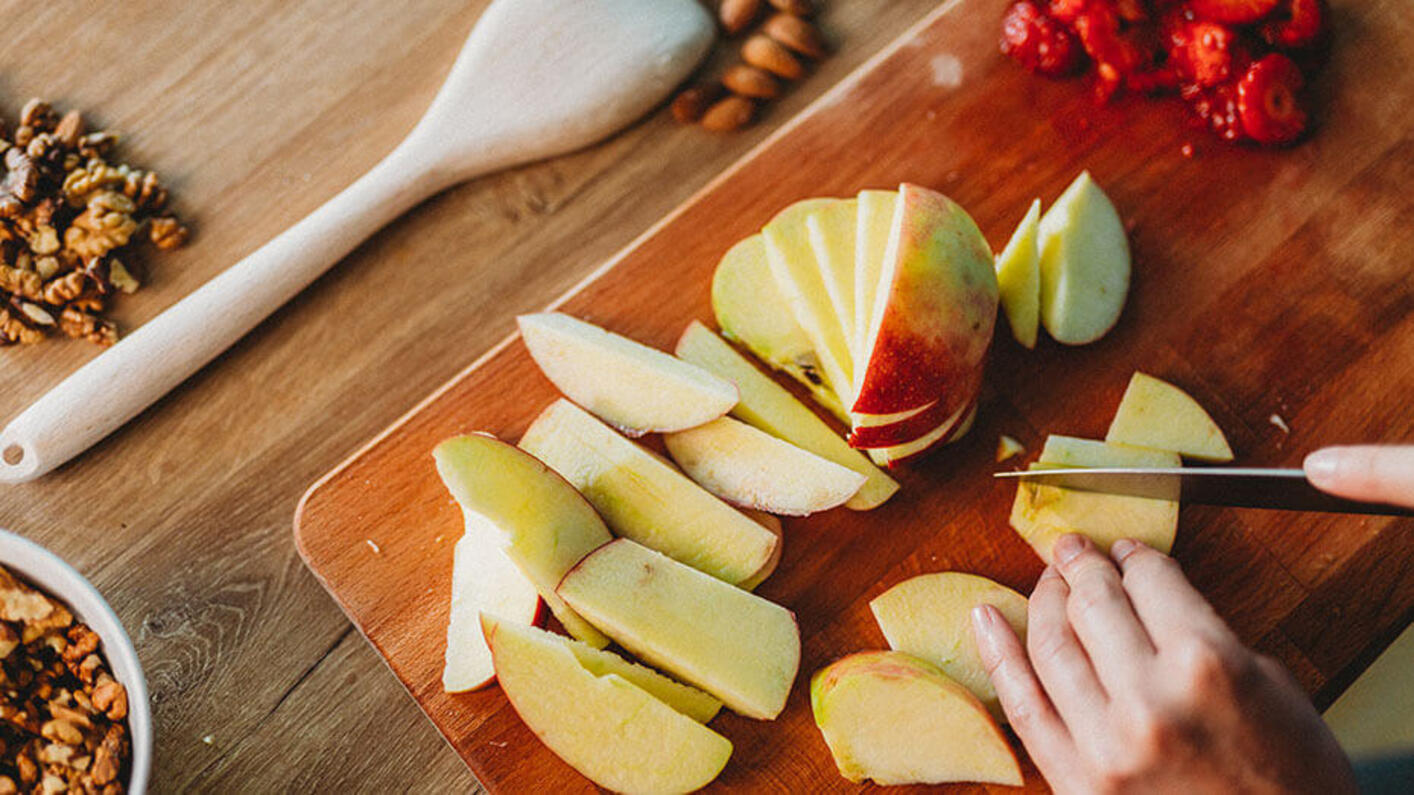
1267	282
256	113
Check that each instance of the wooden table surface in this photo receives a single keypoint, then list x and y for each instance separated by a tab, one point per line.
255	113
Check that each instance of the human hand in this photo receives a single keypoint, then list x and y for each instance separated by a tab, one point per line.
1131	682
1371	473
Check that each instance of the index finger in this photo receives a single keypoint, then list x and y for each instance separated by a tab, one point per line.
1373	473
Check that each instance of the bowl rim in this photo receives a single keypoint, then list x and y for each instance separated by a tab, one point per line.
65	583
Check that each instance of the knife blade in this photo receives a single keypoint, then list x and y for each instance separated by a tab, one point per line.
1240	487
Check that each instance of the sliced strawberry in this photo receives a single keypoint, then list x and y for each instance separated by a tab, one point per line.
1297	24
1216	107
1269	100
1039	42
1232	12
1205	53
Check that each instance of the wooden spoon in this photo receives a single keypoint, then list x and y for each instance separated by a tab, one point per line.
535	78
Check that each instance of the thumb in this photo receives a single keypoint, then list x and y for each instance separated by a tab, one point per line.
1371	473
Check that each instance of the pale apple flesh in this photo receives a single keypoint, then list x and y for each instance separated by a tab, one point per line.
929	617
1042	514
483	579
631	386
644	498
768	568
548	525
685	699
871	238
770	407
729	642
831	232
1085	264
1157	414
1019	278
896	719
604	726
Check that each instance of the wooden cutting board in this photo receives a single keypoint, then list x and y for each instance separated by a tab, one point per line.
1275	286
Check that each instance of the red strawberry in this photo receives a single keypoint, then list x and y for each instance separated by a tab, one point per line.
1067	10
1039	42
1217	108
1299	23
1205	53
1100	34
1268	100
1232	12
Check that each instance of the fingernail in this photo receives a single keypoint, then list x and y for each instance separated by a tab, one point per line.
1122	549
1068	546
1322	464
983	623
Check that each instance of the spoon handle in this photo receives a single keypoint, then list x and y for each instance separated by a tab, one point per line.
125	379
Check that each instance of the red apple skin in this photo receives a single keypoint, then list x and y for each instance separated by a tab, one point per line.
942	307
948	438
920	424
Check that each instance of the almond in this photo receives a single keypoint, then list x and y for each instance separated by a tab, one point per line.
737	15
764	52
749	81
796	34
800	8
729	114
689	106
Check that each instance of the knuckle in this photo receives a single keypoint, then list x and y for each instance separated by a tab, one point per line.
1145	561
1046	641
1207	668
1092	592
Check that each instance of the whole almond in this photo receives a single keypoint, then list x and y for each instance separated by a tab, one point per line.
749	81
729	114
689	106
737	15
800	8
764	52
796	34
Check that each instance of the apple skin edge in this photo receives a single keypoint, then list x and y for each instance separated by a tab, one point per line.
919	425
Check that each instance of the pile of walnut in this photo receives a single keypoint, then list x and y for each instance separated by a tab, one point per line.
67	219
62	715
770	56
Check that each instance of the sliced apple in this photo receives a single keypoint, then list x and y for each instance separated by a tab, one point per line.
871	236
930	617
633	387
752	311
1158	414
1042	514
831	233
753	469
735	645
644	498
949	431
896	719
483	579
548	526
773	524
1084	264
932	320
872	437
768	406
1019	278
609	729
684	698
1008	447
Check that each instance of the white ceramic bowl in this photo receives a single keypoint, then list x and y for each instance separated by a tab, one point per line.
50	573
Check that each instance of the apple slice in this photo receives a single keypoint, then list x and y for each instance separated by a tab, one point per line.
684	698
933	316
1041	514
1084	264
604	726
1019	278
798	276
547	525
633	387
930	617
1158	414
751	310
951	429
753	469
773	524
896	719
768	406
871	236
735	645
644	498
830	230
483	579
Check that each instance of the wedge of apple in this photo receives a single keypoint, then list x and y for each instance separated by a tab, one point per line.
684	698
871	236
1042	514
752	311
951	429
547	525
1084	264
1019	278
930	617
768	406
923	423
737	646
753	469
932	320
1158	414
644	498
633	387
773	524
609	729
483	579
831	232
896	719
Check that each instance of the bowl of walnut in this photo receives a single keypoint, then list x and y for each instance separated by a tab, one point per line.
74	713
